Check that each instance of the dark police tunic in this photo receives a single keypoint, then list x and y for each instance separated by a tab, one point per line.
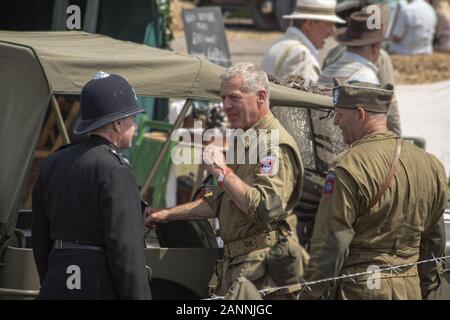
86	193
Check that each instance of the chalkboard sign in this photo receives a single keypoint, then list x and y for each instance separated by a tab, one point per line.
205	35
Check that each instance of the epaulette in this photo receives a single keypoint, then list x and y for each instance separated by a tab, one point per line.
122	159
342	155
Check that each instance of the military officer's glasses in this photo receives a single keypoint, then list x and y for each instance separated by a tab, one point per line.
330	114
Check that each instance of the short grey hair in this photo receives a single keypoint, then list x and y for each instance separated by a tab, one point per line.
254	78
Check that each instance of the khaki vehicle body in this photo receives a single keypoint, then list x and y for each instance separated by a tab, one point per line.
36	65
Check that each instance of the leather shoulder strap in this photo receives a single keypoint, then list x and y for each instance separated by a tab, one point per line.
392	170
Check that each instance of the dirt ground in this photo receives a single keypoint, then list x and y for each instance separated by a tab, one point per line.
176	7
421	69
247	44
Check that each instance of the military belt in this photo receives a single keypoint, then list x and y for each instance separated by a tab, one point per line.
393	248
244	246
385	274
61	244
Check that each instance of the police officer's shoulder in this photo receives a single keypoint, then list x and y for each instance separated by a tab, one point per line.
67	146
117	156
57	154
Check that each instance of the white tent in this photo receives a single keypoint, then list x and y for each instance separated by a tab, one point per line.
425	112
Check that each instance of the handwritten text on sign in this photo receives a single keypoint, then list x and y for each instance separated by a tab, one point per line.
205	34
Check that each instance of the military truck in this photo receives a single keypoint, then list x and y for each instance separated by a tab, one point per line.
36	66
266	14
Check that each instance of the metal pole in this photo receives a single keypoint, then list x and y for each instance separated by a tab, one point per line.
91	16
59	120
313	140
165	147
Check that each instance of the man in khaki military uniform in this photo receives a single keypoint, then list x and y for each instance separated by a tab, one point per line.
384	68
252	200
382	205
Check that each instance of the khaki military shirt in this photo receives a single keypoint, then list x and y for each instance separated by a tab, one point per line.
348	238
275	182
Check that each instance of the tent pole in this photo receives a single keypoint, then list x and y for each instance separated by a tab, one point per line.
165	147
59	119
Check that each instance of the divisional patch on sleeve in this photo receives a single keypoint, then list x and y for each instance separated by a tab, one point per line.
328	187
267	165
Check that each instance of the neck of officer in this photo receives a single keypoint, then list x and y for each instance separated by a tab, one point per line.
376	123
262	112
109	134
364	52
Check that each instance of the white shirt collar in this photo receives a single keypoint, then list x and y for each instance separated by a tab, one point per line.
296	33
358	58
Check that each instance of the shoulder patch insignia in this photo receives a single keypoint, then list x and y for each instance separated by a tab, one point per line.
267	165
119	156
328	187
335	96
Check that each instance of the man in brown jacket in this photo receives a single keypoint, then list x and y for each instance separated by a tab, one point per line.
382	206
384	67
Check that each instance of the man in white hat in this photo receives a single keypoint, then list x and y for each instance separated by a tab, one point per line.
296	52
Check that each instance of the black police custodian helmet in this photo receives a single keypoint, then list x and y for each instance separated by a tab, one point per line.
106	98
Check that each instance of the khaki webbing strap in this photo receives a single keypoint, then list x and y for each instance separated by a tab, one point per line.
244	246
384	274
282	58
392	170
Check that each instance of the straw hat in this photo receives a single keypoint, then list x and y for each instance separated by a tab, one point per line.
324	10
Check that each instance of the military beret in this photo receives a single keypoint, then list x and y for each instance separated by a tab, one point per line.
370	97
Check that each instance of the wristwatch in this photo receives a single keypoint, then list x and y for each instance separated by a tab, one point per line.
222	176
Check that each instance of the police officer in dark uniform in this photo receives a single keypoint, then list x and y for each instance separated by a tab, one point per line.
88	231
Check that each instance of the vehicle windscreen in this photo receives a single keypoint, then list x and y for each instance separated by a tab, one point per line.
318	140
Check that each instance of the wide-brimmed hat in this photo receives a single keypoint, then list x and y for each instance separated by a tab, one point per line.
324	10
104	99
358	32
345	8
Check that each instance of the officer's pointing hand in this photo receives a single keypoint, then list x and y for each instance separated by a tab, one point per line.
153	216
214	160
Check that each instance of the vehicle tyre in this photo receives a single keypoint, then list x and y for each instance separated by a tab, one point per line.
263	21
284	7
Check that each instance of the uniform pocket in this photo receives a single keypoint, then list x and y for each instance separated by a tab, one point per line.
286	261
251	265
